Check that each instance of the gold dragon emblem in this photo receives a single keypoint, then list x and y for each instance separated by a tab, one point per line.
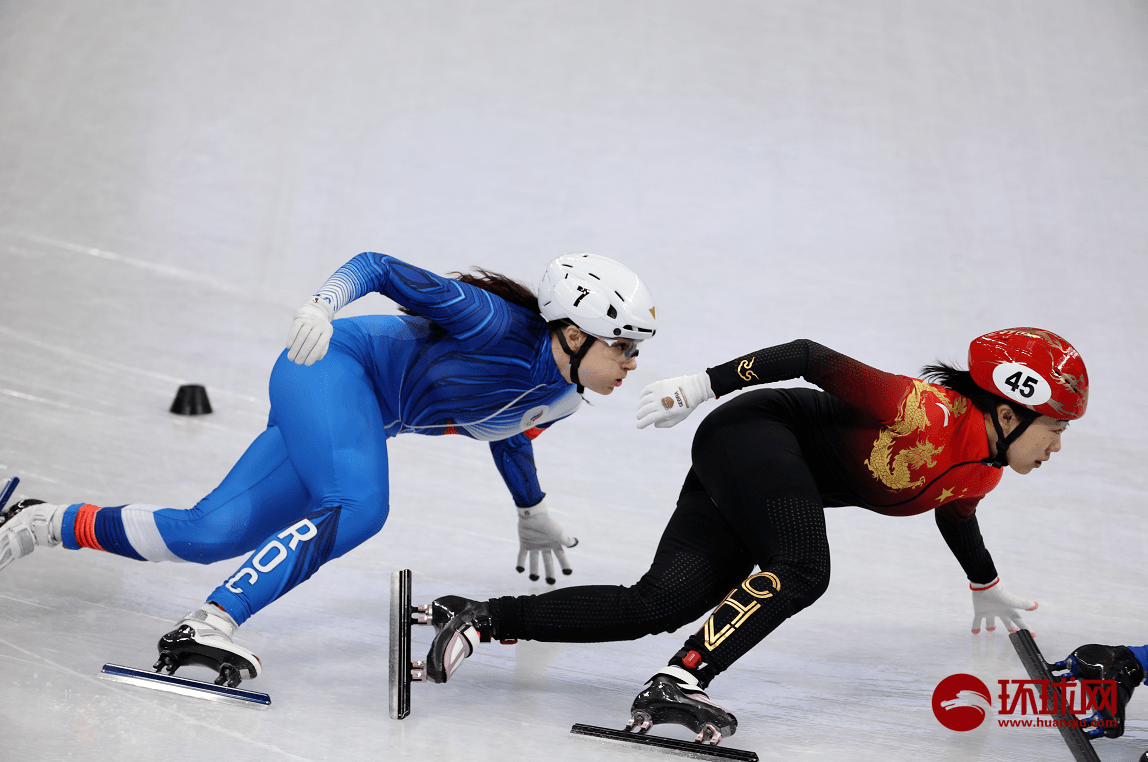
895	471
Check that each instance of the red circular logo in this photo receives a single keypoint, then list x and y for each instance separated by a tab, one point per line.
960	701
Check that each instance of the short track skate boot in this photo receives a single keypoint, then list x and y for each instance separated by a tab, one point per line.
460	625
24	526
674	696
1096	662
203	637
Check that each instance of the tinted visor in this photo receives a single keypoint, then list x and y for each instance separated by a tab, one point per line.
628	347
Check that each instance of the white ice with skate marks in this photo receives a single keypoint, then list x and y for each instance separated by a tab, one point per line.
878	177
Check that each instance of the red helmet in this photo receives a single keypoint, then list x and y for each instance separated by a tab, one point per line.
1035	368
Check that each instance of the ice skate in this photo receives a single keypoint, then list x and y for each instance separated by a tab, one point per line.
674	696
1078	738
203	637
401	671
1097	662
25	525
460	625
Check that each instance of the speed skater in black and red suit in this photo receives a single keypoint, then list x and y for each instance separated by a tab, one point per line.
764	467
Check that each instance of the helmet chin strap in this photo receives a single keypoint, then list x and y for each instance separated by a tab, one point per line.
1000	460
576	357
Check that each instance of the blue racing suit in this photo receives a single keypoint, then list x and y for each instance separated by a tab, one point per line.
314	483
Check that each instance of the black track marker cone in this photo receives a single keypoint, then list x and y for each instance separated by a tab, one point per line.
191	400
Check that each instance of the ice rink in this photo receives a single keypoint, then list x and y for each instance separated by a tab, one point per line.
889	178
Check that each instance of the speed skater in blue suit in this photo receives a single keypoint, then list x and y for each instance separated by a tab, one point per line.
477	354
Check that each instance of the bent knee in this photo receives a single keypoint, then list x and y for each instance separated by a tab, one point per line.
809	581
358	521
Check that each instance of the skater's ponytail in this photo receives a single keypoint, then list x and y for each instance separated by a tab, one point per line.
512	291
499	285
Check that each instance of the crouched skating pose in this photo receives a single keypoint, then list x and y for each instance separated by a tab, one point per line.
478	355
764	467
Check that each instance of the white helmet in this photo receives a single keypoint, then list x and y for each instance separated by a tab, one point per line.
602	297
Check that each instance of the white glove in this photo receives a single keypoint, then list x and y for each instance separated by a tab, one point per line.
311	332
667	403
539	535
990	600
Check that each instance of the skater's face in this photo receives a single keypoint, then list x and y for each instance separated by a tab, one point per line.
605	364
1036	445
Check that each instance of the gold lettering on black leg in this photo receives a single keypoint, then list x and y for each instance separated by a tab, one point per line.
770	576
714	636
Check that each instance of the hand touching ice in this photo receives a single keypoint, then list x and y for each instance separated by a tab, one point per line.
991	601
540	535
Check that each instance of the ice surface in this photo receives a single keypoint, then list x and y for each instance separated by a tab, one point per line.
890	179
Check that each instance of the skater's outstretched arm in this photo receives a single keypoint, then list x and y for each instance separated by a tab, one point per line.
958	524
468	313
880	394
539	535
514	458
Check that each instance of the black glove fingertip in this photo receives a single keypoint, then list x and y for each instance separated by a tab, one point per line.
533	577
550	580
520	569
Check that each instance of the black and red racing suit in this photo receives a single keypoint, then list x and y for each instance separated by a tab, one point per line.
764	467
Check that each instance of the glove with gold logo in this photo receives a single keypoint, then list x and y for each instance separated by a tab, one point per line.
667	403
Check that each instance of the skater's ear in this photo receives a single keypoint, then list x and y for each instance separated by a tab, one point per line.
1008	418
574	336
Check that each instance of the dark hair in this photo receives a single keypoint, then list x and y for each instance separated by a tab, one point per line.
499	285
512	291
509	289
961	382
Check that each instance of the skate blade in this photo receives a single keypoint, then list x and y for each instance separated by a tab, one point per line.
1038	669
691	749
399	654
184	686
6	490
